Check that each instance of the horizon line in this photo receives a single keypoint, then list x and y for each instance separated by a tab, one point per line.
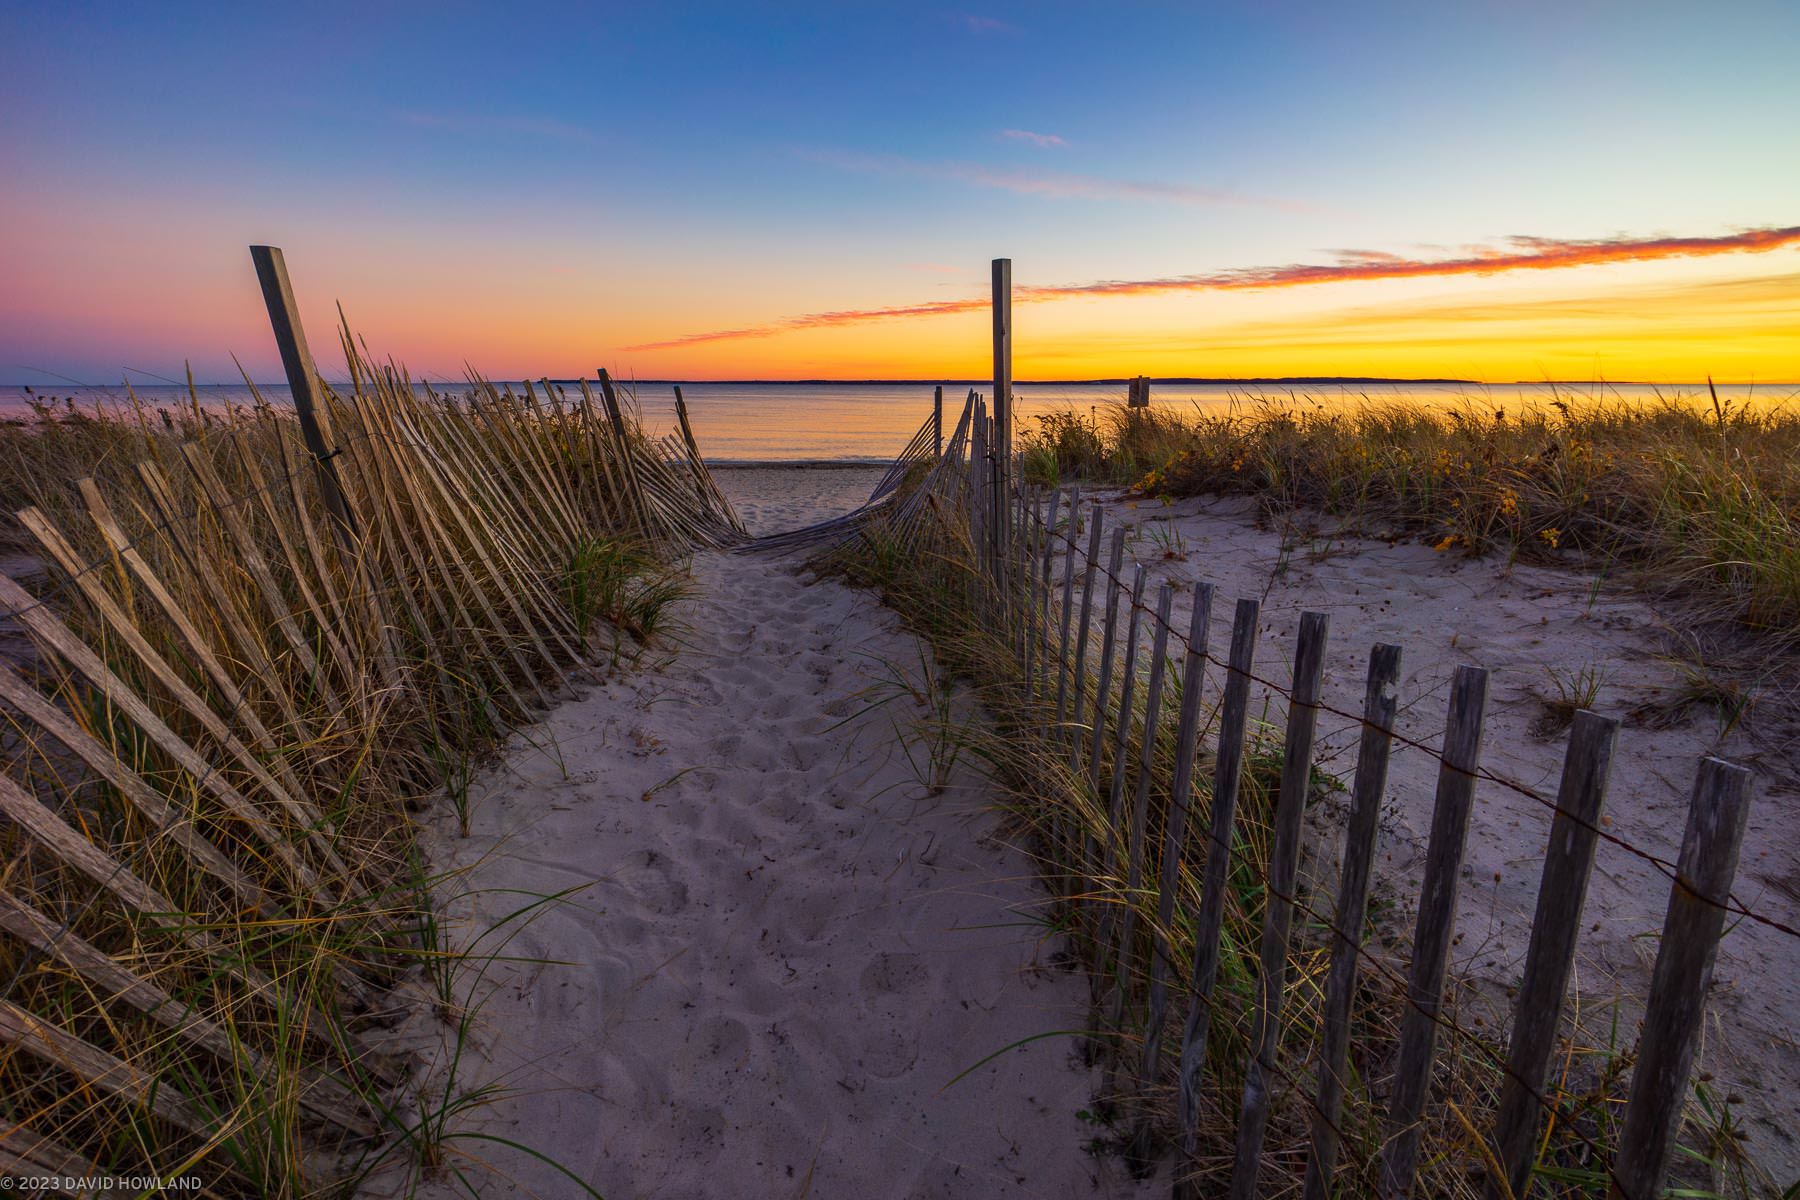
932	381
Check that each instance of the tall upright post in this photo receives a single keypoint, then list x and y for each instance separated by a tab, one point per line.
937	421
1001	450
303	381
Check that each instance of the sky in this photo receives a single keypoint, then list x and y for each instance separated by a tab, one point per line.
1499	191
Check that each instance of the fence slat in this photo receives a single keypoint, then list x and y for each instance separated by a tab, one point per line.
1090	861
1046	605
1083	624
53	634
320	1094
1066	617
1036	545
1684	966
1111	865
40	710
1228	770
1432	934
1115	796
1096	738
1123	955
1380	704
1278	908
1168	885
1562	891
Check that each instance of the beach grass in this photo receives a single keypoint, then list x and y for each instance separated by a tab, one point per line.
264	715
932	579
1691	498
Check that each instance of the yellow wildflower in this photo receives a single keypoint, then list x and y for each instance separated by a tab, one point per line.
1552	535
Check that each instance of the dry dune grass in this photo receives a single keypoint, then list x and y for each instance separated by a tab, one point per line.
932	578
193	981
1694	498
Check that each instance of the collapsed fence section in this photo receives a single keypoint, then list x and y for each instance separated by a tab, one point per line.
1247	1022
263	640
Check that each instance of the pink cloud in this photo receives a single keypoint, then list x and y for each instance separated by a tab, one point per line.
1521	253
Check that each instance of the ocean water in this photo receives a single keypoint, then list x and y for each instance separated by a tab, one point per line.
871	422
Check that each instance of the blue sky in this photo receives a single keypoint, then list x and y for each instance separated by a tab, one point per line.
660	168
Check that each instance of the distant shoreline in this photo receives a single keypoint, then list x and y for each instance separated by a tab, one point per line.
1178	380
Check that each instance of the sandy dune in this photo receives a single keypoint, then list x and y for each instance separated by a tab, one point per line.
786	950
1527	625
783	949
772	499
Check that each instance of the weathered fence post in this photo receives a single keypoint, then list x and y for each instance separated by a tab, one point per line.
1562	890
615	417
1684	968
937	421
1003	409
303	382
1278	908
1380	703
1436	925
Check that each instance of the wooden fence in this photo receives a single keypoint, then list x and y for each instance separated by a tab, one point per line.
262	637
1112	747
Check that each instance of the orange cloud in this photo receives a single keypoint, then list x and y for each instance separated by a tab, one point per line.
1519	254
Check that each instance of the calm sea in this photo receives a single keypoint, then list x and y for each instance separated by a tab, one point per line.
849	422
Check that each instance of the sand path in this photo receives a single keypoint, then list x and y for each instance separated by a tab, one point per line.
785	948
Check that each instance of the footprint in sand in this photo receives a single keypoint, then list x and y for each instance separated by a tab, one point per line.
887	1052
895	974
719	1040
655	886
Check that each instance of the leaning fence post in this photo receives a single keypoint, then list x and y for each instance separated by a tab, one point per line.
627	455
1684	967
1380	703
1431	936
1562	890
303	382
1278	908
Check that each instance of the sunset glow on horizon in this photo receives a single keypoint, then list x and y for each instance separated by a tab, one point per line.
810	192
